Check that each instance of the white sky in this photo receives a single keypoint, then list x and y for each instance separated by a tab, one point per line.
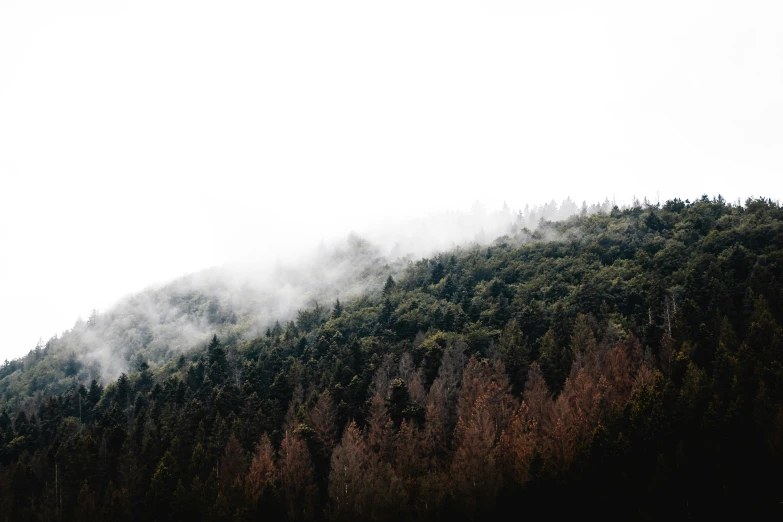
143	140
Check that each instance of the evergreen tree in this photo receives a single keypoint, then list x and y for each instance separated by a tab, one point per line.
388	287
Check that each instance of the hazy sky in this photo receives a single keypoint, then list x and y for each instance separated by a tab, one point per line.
143	140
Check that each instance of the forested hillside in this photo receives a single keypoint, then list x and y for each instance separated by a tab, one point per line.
623	364
159	323
240	301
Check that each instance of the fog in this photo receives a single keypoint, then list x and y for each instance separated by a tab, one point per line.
241	299
143	141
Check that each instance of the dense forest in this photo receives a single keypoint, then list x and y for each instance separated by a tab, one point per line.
624	363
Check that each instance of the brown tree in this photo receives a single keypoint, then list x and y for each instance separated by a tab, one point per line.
582	398
323	419
584	345
297	478
484	408
116	504
474	382
618	371
407	460
517	445
437	425
413	378
261	479
410	466
491	382
474	473
538	398
380	436
349	488
382	378
232	465
85	505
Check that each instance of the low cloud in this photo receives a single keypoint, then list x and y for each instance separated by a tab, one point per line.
241	300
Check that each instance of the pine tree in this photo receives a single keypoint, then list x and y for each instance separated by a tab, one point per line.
380	429
232	465
388	287
538	398
337	311
261	481
517	446
348	479
162	487
474	470
116	504
555	360
323	419
85	505
515	354
583	344
122	394
297	478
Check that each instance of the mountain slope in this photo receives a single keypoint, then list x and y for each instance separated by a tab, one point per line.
160	323
241	301
627	362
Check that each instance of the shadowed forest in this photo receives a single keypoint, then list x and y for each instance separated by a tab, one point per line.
625	363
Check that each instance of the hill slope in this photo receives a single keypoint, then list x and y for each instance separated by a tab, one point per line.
624	362
160	323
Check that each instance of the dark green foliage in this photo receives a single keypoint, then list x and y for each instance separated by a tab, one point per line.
388	287
676	311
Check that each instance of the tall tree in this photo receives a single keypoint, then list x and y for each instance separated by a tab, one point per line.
322	418
297	478
349	488
261	481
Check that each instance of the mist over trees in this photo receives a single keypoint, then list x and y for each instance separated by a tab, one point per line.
241	301
622	362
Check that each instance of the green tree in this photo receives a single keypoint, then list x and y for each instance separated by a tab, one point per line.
162	488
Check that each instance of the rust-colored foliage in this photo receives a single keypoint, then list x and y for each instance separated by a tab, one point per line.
297	478
323	419
232	465
517	445
413	378
380	432
262	477
85	505
408	461
537	397
485	407
349	484
473	471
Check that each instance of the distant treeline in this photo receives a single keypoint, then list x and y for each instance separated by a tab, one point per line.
625	364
